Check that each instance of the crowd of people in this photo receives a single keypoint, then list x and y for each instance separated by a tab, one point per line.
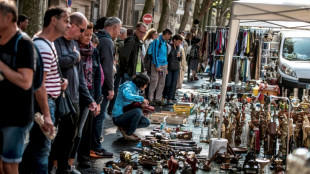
99	68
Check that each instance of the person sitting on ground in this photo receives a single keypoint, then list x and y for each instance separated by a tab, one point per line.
129	121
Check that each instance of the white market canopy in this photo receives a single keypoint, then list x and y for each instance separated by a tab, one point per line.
272	13
293	14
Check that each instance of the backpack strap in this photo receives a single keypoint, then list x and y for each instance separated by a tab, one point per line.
15	47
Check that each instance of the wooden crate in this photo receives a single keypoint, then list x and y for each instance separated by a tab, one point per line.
157	118
177	119
170	113
183	108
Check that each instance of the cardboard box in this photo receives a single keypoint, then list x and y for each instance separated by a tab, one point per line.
177	119
157	118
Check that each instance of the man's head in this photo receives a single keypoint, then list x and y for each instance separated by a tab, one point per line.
140	30
99	24
22	22
113	25
8	14
182	33
123	33
129	32
167	34
78	24
177	40
58	19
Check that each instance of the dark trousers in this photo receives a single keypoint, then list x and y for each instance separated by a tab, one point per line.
64	141
84	148
132	120
171	81
117	82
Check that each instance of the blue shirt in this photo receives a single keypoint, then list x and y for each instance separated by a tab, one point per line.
159	51
128	92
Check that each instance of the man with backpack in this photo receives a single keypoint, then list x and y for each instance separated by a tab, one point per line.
158	68
17	65
35	158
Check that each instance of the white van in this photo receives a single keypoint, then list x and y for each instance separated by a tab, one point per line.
294	59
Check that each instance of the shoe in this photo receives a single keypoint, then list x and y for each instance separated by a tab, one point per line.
74	171
101	154
196	78
170	102
152	103
160	103
192	79
84	164
54	169
132	137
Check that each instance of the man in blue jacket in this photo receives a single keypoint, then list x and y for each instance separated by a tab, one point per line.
159	51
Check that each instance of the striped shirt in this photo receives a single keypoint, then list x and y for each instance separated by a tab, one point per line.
52	81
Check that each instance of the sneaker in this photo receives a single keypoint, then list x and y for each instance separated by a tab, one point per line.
170	102
132	137
160	103
152	103
101	154
54	169
196	78
74	171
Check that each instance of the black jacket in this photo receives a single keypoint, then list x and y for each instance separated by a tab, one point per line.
128	57
173	60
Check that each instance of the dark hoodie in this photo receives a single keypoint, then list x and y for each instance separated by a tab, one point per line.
107	51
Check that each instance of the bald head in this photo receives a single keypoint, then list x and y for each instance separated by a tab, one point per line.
77	18
78	26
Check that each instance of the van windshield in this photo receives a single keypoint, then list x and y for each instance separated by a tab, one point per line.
296	49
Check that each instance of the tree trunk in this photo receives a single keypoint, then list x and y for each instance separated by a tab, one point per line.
113	8
148	8
186	15
164	16
201	9
35	11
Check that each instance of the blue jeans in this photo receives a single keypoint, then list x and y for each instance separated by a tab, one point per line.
132	120
171	82
12	140
35	158
98	125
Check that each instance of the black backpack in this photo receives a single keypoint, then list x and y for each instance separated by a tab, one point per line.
38	62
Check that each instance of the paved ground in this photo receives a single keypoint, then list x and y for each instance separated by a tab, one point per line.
114	142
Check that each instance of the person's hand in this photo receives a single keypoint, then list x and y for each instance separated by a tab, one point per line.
157	69
92	106
178	54
64	84
111	95
145	101
97	110
48	125
166	72
76	51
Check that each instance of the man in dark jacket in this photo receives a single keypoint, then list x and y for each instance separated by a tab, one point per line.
72	69
130	58
106	49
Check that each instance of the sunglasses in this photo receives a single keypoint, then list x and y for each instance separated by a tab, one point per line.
81	29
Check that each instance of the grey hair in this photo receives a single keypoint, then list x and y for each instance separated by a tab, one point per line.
77	18
112	21
7	7
123	30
